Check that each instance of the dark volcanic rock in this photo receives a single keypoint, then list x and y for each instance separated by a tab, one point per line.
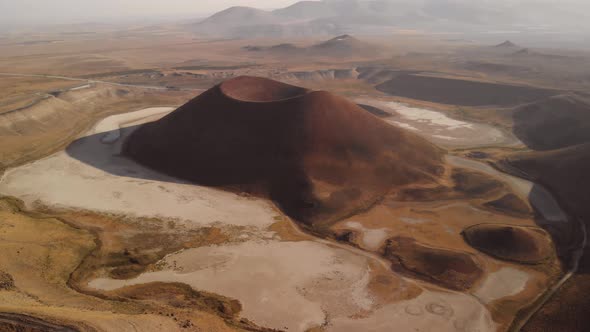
318	156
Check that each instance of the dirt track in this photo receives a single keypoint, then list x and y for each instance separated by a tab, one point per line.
89	81
22	323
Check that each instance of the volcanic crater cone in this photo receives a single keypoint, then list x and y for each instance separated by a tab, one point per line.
519	244
318	156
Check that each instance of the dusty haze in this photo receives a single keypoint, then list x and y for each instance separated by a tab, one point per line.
541	12
68	11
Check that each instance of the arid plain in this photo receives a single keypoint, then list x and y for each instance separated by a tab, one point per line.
462	233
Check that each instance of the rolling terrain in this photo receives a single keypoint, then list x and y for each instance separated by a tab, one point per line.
344	47
382	16
354	196
58	118
556	130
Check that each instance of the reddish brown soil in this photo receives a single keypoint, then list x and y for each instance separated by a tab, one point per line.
466	184
181	296
510	204
250	90
567	311
450	269
319	156
460	92
511	243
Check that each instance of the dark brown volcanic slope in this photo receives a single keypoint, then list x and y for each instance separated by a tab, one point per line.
461	92
451	269
512	243
510	204
565	172
558	130
553	123
319	156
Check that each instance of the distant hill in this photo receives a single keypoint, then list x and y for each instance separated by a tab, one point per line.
307	10
507	44
355	16
278	49
301	18
237	16
343	45
227	21
342	42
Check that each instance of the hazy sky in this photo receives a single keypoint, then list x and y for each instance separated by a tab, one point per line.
68	11
56	11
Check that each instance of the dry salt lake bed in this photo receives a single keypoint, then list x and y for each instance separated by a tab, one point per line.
440	128
294	285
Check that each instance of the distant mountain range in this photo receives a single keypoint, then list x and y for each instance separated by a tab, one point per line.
344	45
359	16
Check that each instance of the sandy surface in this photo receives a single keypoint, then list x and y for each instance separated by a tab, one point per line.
414	221
372	238
284	285
298	285
431	311
85	86
441	129
503	283
107	182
